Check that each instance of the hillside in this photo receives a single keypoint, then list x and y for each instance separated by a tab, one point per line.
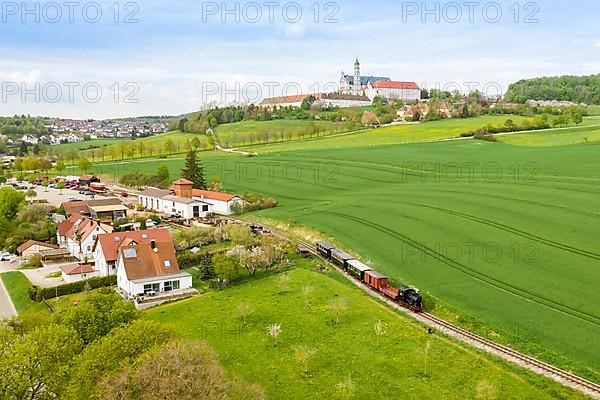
578	89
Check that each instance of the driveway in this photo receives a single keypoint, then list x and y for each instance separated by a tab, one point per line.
55	198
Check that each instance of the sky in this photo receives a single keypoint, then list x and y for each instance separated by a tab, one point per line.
109	59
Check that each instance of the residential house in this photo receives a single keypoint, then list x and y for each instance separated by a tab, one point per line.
222	203
78	234
106	248
150	269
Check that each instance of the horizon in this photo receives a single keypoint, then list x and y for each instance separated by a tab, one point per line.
151	59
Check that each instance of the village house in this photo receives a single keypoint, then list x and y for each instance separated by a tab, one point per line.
106	248
78	234
150	269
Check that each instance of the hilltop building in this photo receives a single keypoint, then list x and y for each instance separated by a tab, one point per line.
374	86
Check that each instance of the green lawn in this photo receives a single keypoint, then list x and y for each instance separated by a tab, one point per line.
395	369
556	137
17	286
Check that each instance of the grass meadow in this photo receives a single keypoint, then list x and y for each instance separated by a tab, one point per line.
405	362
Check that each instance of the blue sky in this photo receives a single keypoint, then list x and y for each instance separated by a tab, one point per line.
178	53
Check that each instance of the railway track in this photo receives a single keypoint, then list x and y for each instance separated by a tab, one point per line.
561	376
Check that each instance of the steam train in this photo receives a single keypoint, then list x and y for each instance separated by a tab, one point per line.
407	296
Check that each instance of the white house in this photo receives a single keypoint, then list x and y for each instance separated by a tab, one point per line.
78	234
150	269
408	92
221	203
106	248
186	202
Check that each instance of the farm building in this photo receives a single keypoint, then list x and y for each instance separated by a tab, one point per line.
185	202
107	210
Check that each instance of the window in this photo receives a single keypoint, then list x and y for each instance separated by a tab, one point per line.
204	208
130	253
167	264
170	286
152	288
196	211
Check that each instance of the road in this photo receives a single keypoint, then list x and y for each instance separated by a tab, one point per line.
7	308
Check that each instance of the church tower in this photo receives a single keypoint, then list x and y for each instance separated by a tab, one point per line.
357	84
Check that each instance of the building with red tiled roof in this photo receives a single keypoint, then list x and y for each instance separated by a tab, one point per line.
148	269
78	234
106	248
32	247
408	92
77	272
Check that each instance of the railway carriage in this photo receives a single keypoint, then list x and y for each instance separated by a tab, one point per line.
357	269
375	279
324	249
340	258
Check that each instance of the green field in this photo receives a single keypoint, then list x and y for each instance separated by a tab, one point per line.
82	146
433	214
397	134
349	350
556	137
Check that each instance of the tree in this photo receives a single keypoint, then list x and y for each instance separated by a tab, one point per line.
274	330
346	388
36	365
379	330
245	310
338	306
11	202
177	370
194	171
304	354
163	173
60	186
168	146
98	313
85	165
308	102
30	193
196	143
577	118
226	268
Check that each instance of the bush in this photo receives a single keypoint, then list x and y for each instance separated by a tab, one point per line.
39	294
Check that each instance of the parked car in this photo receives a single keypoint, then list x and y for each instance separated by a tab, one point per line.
52	186
5	256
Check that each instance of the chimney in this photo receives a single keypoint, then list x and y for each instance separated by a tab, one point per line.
153	244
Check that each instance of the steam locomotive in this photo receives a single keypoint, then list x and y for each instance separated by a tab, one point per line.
407	296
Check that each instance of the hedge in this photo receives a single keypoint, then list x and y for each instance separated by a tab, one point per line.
39	294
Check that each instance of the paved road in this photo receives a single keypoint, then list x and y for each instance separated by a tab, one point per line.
55	198
7	309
